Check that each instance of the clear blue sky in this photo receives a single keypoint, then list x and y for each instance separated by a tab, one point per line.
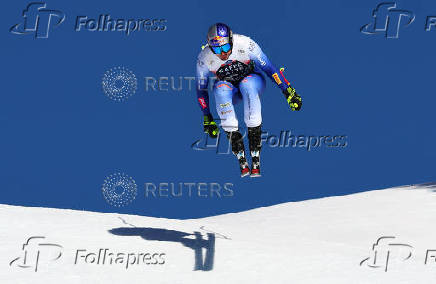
61	136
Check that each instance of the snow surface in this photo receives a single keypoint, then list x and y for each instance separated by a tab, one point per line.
328	240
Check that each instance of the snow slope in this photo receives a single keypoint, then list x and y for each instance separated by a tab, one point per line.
327	240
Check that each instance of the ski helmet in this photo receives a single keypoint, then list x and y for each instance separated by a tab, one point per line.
219	34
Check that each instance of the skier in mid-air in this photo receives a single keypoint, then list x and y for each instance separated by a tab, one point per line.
237	62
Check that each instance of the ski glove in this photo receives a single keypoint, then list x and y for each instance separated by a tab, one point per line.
294	99
210	126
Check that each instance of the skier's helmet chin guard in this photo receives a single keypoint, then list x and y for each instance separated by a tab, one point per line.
220	38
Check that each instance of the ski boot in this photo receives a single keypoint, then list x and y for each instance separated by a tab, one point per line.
255	144
236	140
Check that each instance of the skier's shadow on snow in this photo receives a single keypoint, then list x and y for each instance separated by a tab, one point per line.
164	235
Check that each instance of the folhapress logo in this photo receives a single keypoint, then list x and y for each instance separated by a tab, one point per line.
38	20
385	248
35	250
388	19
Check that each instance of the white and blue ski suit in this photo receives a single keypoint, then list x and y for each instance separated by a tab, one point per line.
247	88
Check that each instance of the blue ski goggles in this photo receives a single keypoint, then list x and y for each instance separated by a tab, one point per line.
223	48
